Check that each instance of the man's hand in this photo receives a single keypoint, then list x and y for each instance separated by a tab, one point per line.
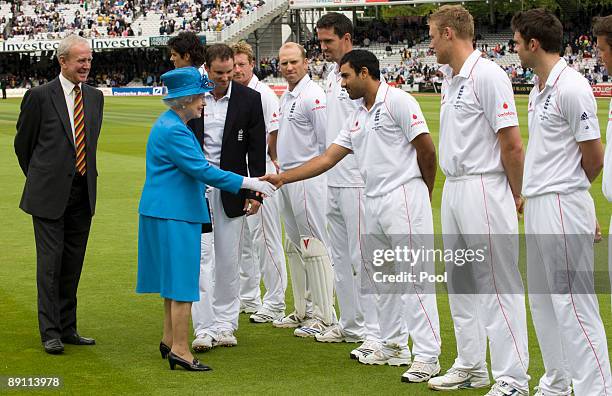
251	206
519	202
276	180
598	236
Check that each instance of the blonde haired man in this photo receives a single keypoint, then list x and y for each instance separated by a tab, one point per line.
481	154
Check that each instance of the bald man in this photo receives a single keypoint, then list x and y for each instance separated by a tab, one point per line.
301	137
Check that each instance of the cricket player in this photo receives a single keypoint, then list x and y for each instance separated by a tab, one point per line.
603	30
481	154
262	253
345	211
564	156
301	136
396	159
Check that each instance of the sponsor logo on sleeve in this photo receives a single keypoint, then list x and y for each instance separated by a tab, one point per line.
318	105
505	112
416	121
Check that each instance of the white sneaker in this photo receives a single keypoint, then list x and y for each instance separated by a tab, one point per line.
393	356
227	339
203	343
335	333
365	349
289	321
248	309
265	315
421	371
458	379
540	392
310	328
502	388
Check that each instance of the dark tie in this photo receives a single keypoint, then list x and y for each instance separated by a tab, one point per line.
79	131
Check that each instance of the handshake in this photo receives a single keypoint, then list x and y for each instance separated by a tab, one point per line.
266	184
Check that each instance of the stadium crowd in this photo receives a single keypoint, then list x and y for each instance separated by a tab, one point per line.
115	18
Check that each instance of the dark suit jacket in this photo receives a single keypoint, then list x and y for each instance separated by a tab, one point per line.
45	148
244	135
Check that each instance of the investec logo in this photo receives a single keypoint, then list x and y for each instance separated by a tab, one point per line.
51	45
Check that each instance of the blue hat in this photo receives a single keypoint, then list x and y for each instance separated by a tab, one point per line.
185	81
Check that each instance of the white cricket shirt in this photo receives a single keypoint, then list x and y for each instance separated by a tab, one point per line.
380	140
215	113
70	96
606	182
269	103
302	123
563	114
339	108
476	104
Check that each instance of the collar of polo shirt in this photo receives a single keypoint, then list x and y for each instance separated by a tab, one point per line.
381	95
467	67
300	86
554	73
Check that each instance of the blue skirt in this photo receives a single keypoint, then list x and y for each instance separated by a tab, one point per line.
169	258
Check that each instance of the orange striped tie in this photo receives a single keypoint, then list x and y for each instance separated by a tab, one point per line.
79	131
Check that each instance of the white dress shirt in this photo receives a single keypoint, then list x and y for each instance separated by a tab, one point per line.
215	113
70	96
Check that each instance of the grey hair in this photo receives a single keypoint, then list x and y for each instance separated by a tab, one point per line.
180	102
63	49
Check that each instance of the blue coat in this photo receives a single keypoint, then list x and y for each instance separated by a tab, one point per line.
177	174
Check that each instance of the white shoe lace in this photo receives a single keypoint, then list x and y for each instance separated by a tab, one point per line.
421	367
457	372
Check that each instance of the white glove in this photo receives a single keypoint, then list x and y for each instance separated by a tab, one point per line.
253	183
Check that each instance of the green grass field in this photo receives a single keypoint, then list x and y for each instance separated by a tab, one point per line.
127	327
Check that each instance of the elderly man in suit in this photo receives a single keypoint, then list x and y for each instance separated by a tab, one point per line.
57	136
234	131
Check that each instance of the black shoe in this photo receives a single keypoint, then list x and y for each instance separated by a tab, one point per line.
76	339
193	366
164	350
54	346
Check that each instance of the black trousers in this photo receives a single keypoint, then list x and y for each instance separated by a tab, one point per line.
60	251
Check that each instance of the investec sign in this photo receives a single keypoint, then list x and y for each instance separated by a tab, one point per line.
51	45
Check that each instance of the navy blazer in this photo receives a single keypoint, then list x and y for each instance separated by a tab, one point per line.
177	174
244	136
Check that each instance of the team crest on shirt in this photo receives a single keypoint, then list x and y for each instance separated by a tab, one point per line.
457	104
377	125
291	111
544	114
343	94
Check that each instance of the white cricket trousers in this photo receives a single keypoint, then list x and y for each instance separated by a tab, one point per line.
303	208
345	216
486	297
560	229
263	257
202	314
407	309
227	236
